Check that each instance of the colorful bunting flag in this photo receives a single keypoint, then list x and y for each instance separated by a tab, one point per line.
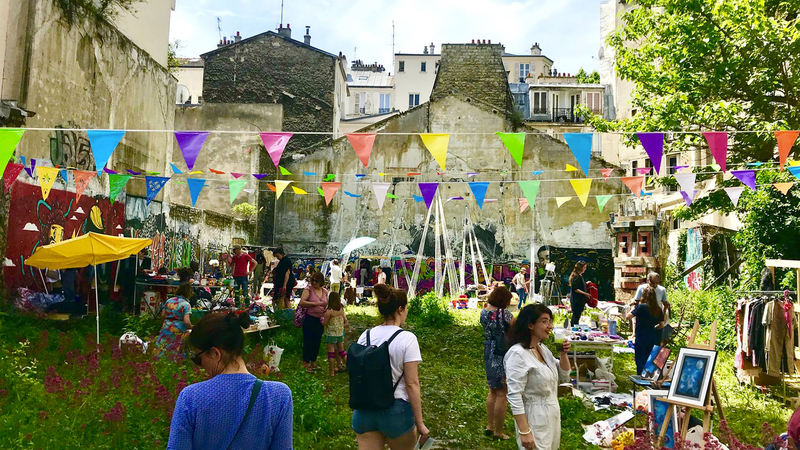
479	189
47	176
275	143
299	191
259	176
530	189
686	180
428	190
718	144
64	175
195	186
606	173
362	144
417	198
582	187
643	170
109	171
523	205
9	138
321	192
116	183
218	172
280	186
515	143
103	143
688	199
330	177
236	174
309	174
329	190
734	193
391	196
175	168
154	186
350	194
82	180
360	175
581	146
634	184
786	140
10	175
783	187
413	174
561	200
284	171
601	201
131	172
30	170
453	198
472	174
537	172
571	168
747	177
437	145
380	190
755	164
679	168
653	144
190	143
272	187
235	188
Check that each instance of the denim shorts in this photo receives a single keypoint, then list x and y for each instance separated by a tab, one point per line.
392	423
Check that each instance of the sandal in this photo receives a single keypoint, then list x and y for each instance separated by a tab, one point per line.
488	433
502	437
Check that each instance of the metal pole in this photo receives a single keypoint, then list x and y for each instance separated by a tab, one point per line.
97	303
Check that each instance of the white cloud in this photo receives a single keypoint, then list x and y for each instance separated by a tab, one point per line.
8	263
30	227
119	227
79	211
73	218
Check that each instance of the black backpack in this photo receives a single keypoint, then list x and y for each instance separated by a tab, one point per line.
370	372
499	335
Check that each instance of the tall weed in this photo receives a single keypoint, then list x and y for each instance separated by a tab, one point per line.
430	310
718	304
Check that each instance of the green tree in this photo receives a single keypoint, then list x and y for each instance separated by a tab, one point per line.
583	78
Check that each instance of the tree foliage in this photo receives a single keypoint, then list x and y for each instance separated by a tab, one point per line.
104	10
583	78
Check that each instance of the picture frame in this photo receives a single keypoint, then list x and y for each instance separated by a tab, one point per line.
659	409
694	369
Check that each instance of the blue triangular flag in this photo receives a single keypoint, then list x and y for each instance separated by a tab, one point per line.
417	198
352	195
581	146
360	175
65	175
103	143
154	185
195	186
537	172
794	170
479	191
22	160
309	174
175	169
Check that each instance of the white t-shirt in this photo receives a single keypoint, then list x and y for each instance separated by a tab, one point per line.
404	348
336	274
661	297
381	278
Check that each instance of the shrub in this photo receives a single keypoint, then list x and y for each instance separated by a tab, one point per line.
707	306
430	310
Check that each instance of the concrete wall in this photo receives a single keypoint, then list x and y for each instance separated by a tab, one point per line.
306	226
192	79
411	80
148	27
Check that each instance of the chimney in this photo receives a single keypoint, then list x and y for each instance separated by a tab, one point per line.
490	41
220	44
238	37
285	32
432	49
425	50
536	50
307	37
473	41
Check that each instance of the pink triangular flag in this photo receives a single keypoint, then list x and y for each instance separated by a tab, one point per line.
606	173
718	144
785	142
329	188
643	170
10	175
634	184
275	143
523	205
362	144
82	180
236	175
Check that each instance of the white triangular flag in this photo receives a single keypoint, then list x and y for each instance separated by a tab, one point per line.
686	180
380	190
734	193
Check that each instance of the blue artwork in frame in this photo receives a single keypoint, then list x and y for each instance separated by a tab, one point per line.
659	409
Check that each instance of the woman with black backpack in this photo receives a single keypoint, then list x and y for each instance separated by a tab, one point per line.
495	319
387	411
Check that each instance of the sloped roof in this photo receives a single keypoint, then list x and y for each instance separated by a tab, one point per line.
269	33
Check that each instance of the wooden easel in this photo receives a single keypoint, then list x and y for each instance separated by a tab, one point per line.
708	409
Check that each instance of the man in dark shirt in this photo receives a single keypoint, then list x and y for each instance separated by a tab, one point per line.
241	268
283	280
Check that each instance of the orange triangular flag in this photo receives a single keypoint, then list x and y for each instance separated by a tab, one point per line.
362	144
272	187
523	205
783	187
218	172
82	180
634	184
785	142
330	189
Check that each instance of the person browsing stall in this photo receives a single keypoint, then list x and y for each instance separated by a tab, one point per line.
177	313
579	295
654	281
521	286
241	268
283	280
315	300
649	322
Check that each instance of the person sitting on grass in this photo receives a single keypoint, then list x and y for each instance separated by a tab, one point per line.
335	321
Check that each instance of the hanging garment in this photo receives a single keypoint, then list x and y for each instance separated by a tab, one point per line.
757	337
779	354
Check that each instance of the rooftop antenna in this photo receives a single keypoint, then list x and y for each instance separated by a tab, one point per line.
281	12
392	38
219	27
354	53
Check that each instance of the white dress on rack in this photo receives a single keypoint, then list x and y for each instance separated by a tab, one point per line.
533	391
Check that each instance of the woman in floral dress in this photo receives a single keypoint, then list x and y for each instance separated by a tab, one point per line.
177	315
495	319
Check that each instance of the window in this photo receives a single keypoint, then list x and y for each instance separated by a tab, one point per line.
645	243
593	102
362	102
402	67
384	104
634	166
524	70
624	244
672	161
539	103
413	100
423	66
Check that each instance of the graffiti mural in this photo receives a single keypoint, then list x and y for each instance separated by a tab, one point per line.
71	149
34	222
694	253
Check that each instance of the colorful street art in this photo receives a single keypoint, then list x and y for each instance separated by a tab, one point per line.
694	253
34	222
174	246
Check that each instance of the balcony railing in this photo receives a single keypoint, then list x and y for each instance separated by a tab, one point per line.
383	110
562	115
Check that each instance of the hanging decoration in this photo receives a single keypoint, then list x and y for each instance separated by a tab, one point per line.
235	188
786	140
515	143
272	188
360	176
606	173
688	199
718	144
653	144
417	198
602	200
47	176
109	171
280	186
103	143
571	168
175	169
30	170
437	145
380	190
127	170
479	190
329	190
310	174
734	193
523	205
116	183
581	146
218	172
561	200
747	177
259	176
190	143
530	189
82	179
275	143
686	180
236	174
582	187
10	175
472	174
634	184
643	170
350	194
195	186
428	191
362	144
783	187
154	186
795	171
330	177
284	171
321	192
299	191
9	138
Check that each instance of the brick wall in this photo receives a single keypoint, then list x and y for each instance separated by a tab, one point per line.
474	71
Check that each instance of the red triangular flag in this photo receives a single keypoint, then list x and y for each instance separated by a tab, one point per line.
10	175
330	190
606	173
634	184
362	144
219	172
785	142
82	180
718	145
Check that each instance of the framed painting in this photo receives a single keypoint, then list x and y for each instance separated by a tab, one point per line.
692	376
659	409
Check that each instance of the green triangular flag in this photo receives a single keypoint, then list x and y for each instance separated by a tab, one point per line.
284	171
330	177
116	183
235	187
530	189
391	196
321	192
515	143
9	138
602	200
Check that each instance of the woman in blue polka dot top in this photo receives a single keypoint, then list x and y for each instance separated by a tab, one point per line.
233	409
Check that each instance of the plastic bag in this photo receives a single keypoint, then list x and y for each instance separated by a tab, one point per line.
272	353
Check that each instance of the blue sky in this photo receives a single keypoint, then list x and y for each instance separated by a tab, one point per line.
568	31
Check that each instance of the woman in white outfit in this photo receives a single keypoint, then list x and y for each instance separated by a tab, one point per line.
532	376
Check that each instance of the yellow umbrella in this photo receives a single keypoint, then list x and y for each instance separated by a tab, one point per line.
90	249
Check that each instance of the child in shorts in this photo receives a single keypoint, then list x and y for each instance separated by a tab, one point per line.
335	321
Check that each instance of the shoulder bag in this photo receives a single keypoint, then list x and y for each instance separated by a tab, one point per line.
253	396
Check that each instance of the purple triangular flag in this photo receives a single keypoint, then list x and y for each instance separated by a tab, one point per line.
260	175
747	177
653	144
428	191
133	173
30	169
191	142
109	171
687	198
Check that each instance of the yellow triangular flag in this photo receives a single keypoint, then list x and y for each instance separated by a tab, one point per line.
783	187
196	172
381	174
794	163
582	187
280	185
299	191
561	200
571	168
47	176
437	145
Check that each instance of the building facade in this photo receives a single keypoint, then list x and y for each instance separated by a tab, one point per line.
519	67
189	73
414	77
371	94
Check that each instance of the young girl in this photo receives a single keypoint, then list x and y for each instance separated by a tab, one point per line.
335	320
